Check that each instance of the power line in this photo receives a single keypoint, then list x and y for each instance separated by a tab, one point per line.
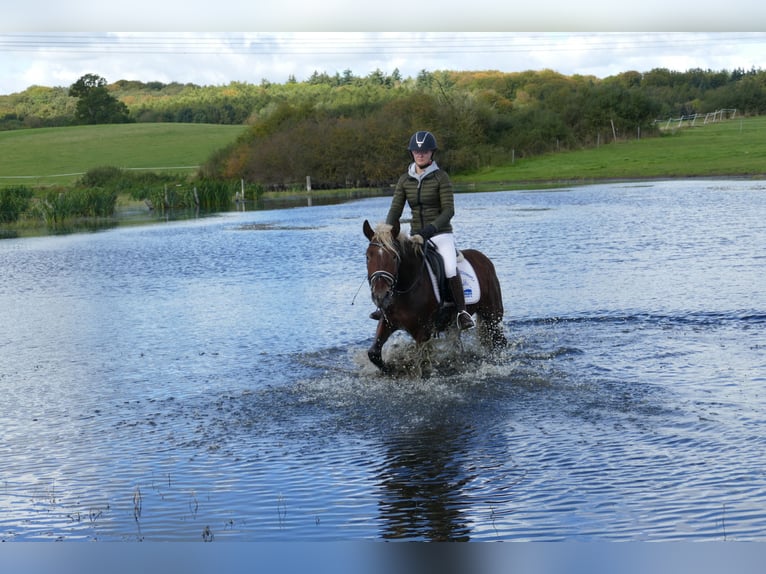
350	44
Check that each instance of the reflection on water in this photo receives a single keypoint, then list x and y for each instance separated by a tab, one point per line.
207	379
422	485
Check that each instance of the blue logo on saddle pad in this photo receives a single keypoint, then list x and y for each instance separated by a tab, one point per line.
471	289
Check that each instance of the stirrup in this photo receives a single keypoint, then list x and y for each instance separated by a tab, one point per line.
465	321
376	314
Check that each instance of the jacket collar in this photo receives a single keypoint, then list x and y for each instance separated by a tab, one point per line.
419	176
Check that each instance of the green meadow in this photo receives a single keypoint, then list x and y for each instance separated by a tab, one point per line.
59	156
728	148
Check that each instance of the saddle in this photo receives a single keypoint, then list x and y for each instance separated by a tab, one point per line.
435	265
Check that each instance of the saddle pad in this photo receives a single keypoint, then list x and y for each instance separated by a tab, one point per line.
471	289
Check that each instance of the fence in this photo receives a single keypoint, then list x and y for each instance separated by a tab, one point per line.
691	120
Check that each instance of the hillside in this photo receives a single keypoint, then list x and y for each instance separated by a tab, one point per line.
47	156
734	147
729	148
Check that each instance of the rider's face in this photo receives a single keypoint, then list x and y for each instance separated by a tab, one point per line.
422	158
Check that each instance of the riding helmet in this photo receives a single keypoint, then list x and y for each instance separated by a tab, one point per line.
422	141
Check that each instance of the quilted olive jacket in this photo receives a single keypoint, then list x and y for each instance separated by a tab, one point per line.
429	196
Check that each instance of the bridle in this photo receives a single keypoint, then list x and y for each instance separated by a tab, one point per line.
389	278
393	278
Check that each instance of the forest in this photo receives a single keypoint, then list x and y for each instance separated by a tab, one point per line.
351	131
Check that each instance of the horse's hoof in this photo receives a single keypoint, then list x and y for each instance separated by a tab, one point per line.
499	341
377	359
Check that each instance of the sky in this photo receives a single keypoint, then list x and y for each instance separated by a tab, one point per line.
197	42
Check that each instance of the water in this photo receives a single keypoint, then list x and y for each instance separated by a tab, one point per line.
207	380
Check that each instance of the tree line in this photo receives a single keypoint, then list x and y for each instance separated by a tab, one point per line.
346	130
480	119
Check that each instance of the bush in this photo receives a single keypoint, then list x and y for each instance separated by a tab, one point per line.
106	176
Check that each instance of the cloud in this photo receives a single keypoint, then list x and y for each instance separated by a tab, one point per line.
402	15
216	58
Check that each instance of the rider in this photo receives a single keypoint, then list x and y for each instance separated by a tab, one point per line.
428	191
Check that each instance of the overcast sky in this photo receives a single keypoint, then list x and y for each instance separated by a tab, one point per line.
47	46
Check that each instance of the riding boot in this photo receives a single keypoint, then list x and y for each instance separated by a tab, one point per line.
464	319
376	314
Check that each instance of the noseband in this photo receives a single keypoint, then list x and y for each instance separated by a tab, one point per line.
389	278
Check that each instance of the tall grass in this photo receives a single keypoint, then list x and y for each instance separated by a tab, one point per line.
163	192
13	202
60	206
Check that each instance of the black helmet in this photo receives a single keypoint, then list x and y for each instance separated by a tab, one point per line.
422	141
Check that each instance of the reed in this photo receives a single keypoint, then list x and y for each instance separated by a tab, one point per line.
138	503
59	206
13	202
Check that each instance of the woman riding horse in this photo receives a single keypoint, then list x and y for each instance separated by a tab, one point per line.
400	287
428	191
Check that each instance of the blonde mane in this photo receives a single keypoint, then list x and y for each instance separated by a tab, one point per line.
386	238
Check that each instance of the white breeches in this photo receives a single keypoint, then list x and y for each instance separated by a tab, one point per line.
445	245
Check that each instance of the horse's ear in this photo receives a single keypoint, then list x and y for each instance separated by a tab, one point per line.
368	232
395	229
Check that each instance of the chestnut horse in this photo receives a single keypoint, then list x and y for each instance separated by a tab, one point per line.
401	288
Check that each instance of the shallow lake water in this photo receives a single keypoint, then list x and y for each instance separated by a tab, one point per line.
207	379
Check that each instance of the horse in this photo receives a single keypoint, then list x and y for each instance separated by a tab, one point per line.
402	289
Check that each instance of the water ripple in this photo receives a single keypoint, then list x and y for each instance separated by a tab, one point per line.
208	380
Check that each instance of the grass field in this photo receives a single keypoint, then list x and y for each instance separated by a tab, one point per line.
59	155
734	147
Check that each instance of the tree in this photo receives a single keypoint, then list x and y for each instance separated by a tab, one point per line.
348	77
95	105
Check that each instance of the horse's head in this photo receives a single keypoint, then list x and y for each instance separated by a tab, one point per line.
383	260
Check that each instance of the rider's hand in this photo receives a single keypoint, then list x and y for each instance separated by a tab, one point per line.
426	233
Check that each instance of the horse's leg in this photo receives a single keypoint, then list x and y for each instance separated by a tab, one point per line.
490	308
493	336
494	316
375	352
490	326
